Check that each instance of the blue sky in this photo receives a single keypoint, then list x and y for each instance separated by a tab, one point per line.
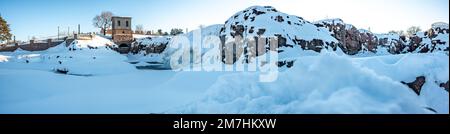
41	18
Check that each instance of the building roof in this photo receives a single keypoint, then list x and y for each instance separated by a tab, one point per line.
121	17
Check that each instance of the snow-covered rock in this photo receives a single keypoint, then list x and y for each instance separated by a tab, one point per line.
257	24
351	40
322	77
441	25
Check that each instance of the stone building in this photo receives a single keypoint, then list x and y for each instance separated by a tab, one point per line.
122	34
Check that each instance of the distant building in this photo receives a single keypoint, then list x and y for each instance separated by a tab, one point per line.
122	33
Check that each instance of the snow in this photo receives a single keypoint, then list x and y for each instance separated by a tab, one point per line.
97	41
406	67
364	31
389	36
266	21
100	80
335	21
350	85
3	58
153	40
138	36
312	86
291	27
135	92
441	25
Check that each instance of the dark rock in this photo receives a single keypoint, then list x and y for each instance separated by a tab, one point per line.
251	29
256	12
416	85
315	45
237	30
290	64
431	109
445	85
279	18
245	17
281	63
282	41
261	31
62	71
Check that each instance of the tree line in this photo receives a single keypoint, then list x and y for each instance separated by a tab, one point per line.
411	31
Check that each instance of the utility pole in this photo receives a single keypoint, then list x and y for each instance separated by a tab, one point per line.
78	28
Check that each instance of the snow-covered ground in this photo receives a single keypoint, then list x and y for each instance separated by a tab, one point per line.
87	76
330	83
111	85
99	80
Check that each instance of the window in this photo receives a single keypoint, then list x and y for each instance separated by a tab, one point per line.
118	23
126	23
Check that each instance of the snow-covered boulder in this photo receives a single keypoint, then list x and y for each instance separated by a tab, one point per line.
351	85
434	39
155	44
257	25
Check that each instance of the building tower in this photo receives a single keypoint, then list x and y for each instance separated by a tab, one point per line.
122	33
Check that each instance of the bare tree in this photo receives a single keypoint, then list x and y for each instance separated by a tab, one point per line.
176	31
413	30
139	29
103	21
160	32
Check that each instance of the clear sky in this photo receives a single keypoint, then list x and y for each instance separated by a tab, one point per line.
41	18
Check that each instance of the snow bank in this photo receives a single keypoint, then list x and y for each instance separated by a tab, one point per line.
406	67
3	58
81	57
327	83
92	57
153	41
97	41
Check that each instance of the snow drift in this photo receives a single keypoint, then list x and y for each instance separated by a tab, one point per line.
313	86
326	66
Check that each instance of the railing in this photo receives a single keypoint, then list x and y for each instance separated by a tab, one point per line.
57	38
